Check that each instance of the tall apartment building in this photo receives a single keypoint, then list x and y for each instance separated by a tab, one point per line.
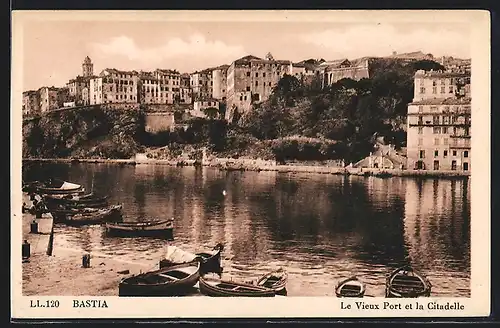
201	84
114	86
31	102
252	79
186	93
439	121
219	78
159	87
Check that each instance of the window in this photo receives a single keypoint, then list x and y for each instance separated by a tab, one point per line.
248	88
245	97
436	141
422	154
422	90
269	83
436	153
256	83
466	166
420	130
466	154
241	98
445	141
256	74
434	108
444	130
454	153
420	109
434	90
466	132
264	74
436	130
451	89
443	90
435	119
248	73
442	82
420	141
420	120
434	83
445	153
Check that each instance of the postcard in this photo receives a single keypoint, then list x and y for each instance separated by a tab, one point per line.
271	164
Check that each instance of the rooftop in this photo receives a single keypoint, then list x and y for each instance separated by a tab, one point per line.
422	73
447	101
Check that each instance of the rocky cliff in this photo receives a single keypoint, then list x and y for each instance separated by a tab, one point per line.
83	132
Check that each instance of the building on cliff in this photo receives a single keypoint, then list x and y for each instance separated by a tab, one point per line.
439	121
333	71
205	108
31	102
114	86
201	84
441	85
159	87
219	78
251	79
186	93
52	98
79	90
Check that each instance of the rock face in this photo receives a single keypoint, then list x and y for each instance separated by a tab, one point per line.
86	132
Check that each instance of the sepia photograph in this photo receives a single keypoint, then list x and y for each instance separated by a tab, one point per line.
256	157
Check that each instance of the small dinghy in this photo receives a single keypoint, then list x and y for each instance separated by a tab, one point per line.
150	228
111	213
405	282
210	260
224	288
275	280
176	280
350	287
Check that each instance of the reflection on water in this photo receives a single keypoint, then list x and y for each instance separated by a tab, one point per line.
321	228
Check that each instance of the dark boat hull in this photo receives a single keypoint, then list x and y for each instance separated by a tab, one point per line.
178	288
162	233
209	264
111	215
248	290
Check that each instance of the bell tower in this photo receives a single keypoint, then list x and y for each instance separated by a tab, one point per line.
87	67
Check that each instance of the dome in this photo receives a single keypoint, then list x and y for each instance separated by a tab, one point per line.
87	60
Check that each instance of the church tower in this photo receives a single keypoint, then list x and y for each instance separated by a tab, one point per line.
87	67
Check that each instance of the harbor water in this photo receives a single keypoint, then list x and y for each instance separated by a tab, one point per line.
320	228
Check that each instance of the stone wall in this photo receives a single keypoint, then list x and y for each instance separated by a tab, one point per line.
158	121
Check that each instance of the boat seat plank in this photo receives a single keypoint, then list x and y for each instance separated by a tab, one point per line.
167	276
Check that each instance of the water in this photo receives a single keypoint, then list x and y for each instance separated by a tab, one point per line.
320	228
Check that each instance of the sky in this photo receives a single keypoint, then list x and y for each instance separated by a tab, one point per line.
54	50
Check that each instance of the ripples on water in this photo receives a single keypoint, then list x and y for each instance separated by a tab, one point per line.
321	228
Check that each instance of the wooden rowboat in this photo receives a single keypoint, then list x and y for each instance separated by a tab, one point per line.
56	186
210	260
110	213
88	200
275	280
405	282
172	281
350	287
149	228
224	288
